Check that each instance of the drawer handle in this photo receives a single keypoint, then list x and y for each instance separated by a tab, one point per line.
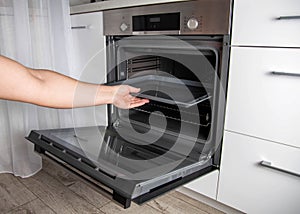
269	165
80	27
280	73
287	17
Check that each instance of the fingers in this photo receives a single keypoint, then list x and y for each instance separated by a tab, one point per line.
125	100
138	103
133	89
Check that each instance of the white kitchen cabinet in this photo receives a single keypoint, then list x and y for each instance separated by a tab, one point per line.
262	104
262	112
89	63
257	23
246	185
205	185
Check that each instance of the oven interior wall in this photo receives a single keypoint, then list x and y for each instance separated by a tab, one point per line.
199	121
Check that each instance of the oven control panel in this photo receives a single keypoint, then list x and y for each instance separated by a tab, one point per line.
209	17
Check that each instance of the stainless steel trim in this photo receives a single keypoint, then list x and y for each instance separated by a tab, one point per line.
80	27
287	17
281	73
270	165
146	186
111	5
213	17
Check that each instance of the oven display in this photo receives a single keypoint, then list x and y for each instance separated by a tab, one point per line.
156	22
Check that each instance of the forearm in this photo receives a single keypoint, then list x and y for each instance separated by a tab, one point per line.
48	88
51	89
59	91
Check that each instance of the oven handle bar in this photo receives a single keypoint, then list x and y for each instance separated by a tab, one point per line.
271	166
280	73
287	17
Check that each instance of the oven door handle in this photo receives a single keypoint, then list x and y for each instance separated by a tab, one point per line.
271	166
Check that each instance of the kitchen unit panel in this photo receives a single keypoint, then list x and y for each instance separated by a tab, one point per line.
89	63
266	23
247	185
263	95
206	185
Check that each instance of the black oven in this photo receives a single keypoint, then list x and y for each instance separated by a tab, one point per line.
178	55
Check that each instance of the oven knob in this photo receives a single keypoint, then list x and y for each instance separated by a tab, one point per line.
192	23
123	27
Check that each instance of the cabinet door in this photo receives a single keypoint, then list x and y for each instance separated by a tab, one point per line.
252	188
266	23
89	62
260	103
206	185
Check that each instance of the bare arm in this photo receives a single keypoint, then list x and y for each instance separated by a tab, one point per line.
51	89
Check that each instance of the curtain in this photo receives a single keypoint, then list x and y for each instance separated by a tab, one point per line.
36	33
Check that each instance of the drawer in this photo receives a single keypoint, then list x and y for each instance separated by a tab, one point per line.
256	22
260	103
206	185
246	185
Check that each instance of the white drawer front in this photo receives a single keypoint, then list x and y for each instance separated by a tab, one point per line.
205	185
251	188
255	22
259	103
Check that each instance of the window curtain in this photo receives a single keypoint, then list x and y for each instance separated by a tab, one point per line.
36	33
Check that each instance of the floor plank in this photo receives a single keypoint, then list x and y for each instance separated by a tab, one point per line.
60	173
57	196
34	207
94	197
168	204
195	203
113	208
13	193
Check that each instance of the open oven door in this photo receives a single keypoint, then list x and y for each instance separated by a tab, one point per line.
133	169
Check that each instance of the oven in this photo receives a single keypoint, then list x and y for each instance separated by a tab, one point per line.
177	54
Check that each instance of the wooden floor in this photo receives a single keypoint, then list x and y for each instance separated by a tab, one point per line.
55	190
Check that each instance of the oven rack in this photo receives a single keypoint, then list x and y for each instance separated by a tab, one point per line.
173	118
170	90
177	110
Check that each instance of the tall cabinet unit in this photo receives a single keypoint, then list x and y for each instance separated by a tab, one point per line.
89	62
260	166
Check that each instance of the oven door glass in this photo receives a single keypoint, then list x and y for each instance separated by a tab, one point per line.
130	166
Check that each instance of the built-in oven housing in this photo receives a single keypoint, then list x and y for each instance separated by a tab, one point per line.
185	79
177	54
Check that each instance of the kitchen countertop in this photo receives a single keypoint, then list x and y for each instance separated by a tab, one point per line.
115	4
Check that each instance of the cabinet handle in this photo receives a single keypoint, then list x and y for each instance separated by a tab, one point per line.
269	165
287	17
280	73
80	27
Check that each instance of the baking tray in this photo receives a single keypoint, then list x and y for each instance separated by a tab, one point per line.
185	93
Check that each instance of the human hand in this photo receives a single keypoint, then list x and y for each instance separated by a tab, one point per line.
123	99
